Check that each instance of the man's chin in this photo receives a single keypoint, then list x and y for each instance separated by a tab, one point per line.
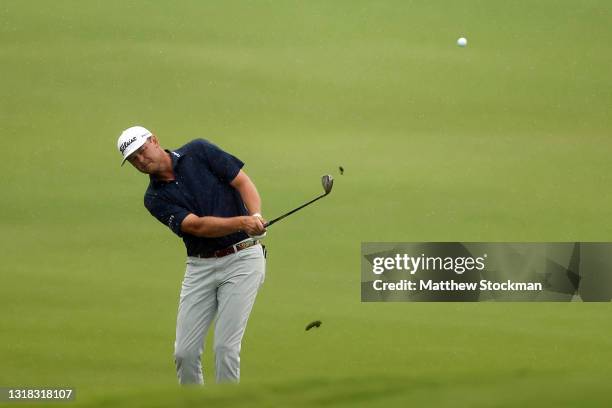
146	169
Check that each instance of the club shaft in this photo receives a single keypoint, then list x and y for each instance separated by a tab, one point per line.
292	211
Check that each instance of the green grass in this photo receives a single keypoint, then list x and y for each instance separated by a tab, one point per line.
505	140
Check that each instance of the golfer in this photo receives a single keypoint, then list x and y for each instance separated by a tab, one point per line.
200	192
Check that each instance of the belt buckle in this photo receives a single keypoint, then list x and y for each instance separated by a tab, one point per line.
247	244
220	253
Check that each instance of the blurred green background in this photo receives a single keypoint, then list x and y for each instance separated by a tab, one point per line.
508	139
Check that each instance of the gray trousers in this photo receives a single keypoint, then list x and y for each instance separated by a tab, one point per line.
221	288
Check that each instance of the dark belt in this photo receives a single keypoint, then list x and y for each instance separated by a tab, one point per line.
220	253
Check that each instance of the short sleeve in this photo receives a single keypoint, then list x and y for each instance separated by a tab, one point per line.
224	165
167	213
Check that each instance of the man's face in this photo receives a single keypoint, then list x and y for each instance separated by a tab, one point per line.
148	158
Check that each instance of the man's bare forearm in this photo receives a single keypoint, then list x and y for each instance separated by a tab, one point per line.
214	227
251	199
211	227
248	192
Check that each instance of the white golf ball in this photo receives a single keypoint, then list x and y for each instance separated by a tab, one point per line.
462	42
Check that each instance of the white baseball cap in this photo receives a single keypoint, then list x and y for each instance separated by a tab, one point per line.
131	139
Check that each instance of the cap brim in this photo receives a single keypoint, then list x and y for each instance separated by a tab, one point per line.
127	156
135	147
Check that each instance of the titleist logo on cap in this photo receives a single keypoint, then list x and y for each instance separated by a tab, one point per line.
125	144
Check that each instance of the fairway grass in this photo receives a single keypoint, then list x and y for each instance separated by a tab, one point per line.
505	140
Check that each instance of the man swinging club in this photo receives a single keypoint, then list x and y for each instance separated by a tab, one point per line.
200	192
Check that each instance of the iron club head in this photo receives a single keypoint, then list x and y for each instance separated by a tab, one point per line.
328	182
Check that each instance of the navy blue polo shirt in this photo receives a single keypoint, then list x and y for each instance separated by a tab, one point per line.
202	174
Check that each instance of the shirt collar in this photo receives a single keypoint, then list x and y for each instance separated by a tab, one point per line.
175	156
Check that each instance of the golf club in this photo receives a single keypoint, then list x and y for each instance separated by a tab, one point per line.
327	181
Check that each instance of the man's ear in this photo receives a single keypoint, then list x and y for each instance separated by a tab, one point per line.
154	140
